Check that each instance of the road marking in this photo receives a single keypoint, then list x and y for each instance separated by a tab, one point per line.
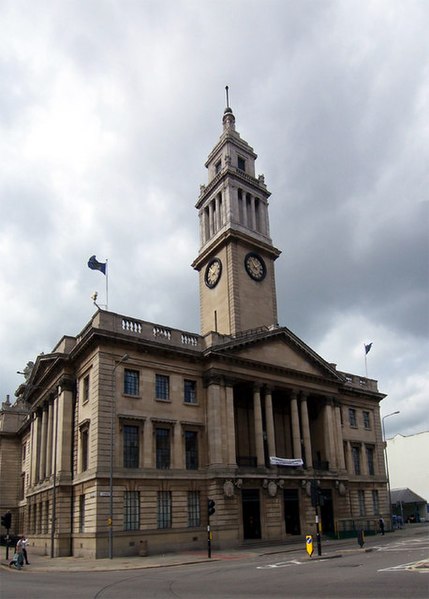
407	566
292	562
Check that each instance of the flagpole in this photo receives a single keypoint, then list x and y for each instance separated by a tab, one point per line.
107	285
366	364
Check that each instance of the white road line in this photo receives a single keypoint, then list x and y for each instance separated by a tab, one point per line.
400	567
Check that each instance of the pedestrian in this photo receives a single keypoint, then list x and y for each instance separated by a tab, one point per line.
381	523
22	543
18	558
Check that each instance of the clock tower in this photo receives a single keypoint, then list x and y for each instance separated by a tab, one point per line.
236	257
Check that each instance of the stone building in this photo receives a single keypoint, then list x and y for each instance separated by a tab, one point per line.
121	434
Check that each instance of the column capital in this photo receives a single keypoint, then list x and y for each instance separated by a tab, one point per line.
66	384
213	378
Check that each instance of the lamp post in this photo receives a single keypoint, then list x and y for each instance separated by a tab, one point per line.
112	427
387	463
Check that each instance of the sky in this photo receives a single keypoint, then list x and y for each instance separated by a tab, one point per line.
108	111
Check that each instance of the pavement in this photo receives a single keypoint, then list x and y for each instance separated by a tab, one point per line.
330	549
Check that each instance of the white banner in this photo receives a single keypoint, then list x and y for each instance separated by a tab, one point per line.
274	461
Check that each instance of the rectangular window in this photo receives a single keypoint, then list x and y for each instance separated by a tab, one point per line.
352	417
84	436
131	382
370	459
191	450
85	389
81	513
366	421
194	509
162	386
190	391
162	438
164	509
361	499
131	510
241	164
356	458
218	166
131	446
375	503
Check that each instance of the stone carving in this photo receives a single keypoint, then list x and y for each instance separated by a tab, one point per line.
272	489
228	488
342	489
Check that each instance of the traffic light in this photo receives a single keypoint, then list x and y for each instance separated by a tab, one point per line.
6	520
314	493
211	507
317	498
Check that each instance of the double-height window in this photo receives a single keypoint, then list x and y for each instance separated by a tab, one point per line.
162	386
163	448
190	391
131	445
131	382
164	518
131	510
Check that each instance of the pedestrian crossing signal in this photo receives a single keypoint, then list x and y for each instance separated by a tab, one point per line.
6	520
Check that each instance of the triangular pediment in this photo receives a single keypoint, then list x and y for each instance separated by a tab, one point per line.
281	349
278	353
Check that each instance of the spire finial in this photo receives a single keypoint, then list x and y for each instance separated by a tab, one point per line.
228	117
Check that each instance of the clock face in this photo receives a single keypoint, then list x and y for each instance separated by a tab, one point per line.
255	266
213	272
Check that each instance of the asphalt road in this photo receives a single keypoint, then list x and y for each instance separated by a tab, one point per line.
396	569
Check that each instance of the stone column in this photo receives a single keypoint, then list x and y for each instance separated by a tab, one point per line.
33	464
245	213
363	460
178	460
43	444
38	443
230	423
350	468
203	227
219	208
296	434
259	434
339	439
306	432
214	424
264	218
65	418
253	212
50	438
329	435
148	444
211	219
269	418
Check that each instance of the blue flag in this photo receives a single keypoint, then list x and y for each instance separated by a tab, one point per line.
367	348
94	264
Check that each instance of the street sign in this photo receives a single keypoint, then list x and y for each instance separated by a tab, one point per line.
309	544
